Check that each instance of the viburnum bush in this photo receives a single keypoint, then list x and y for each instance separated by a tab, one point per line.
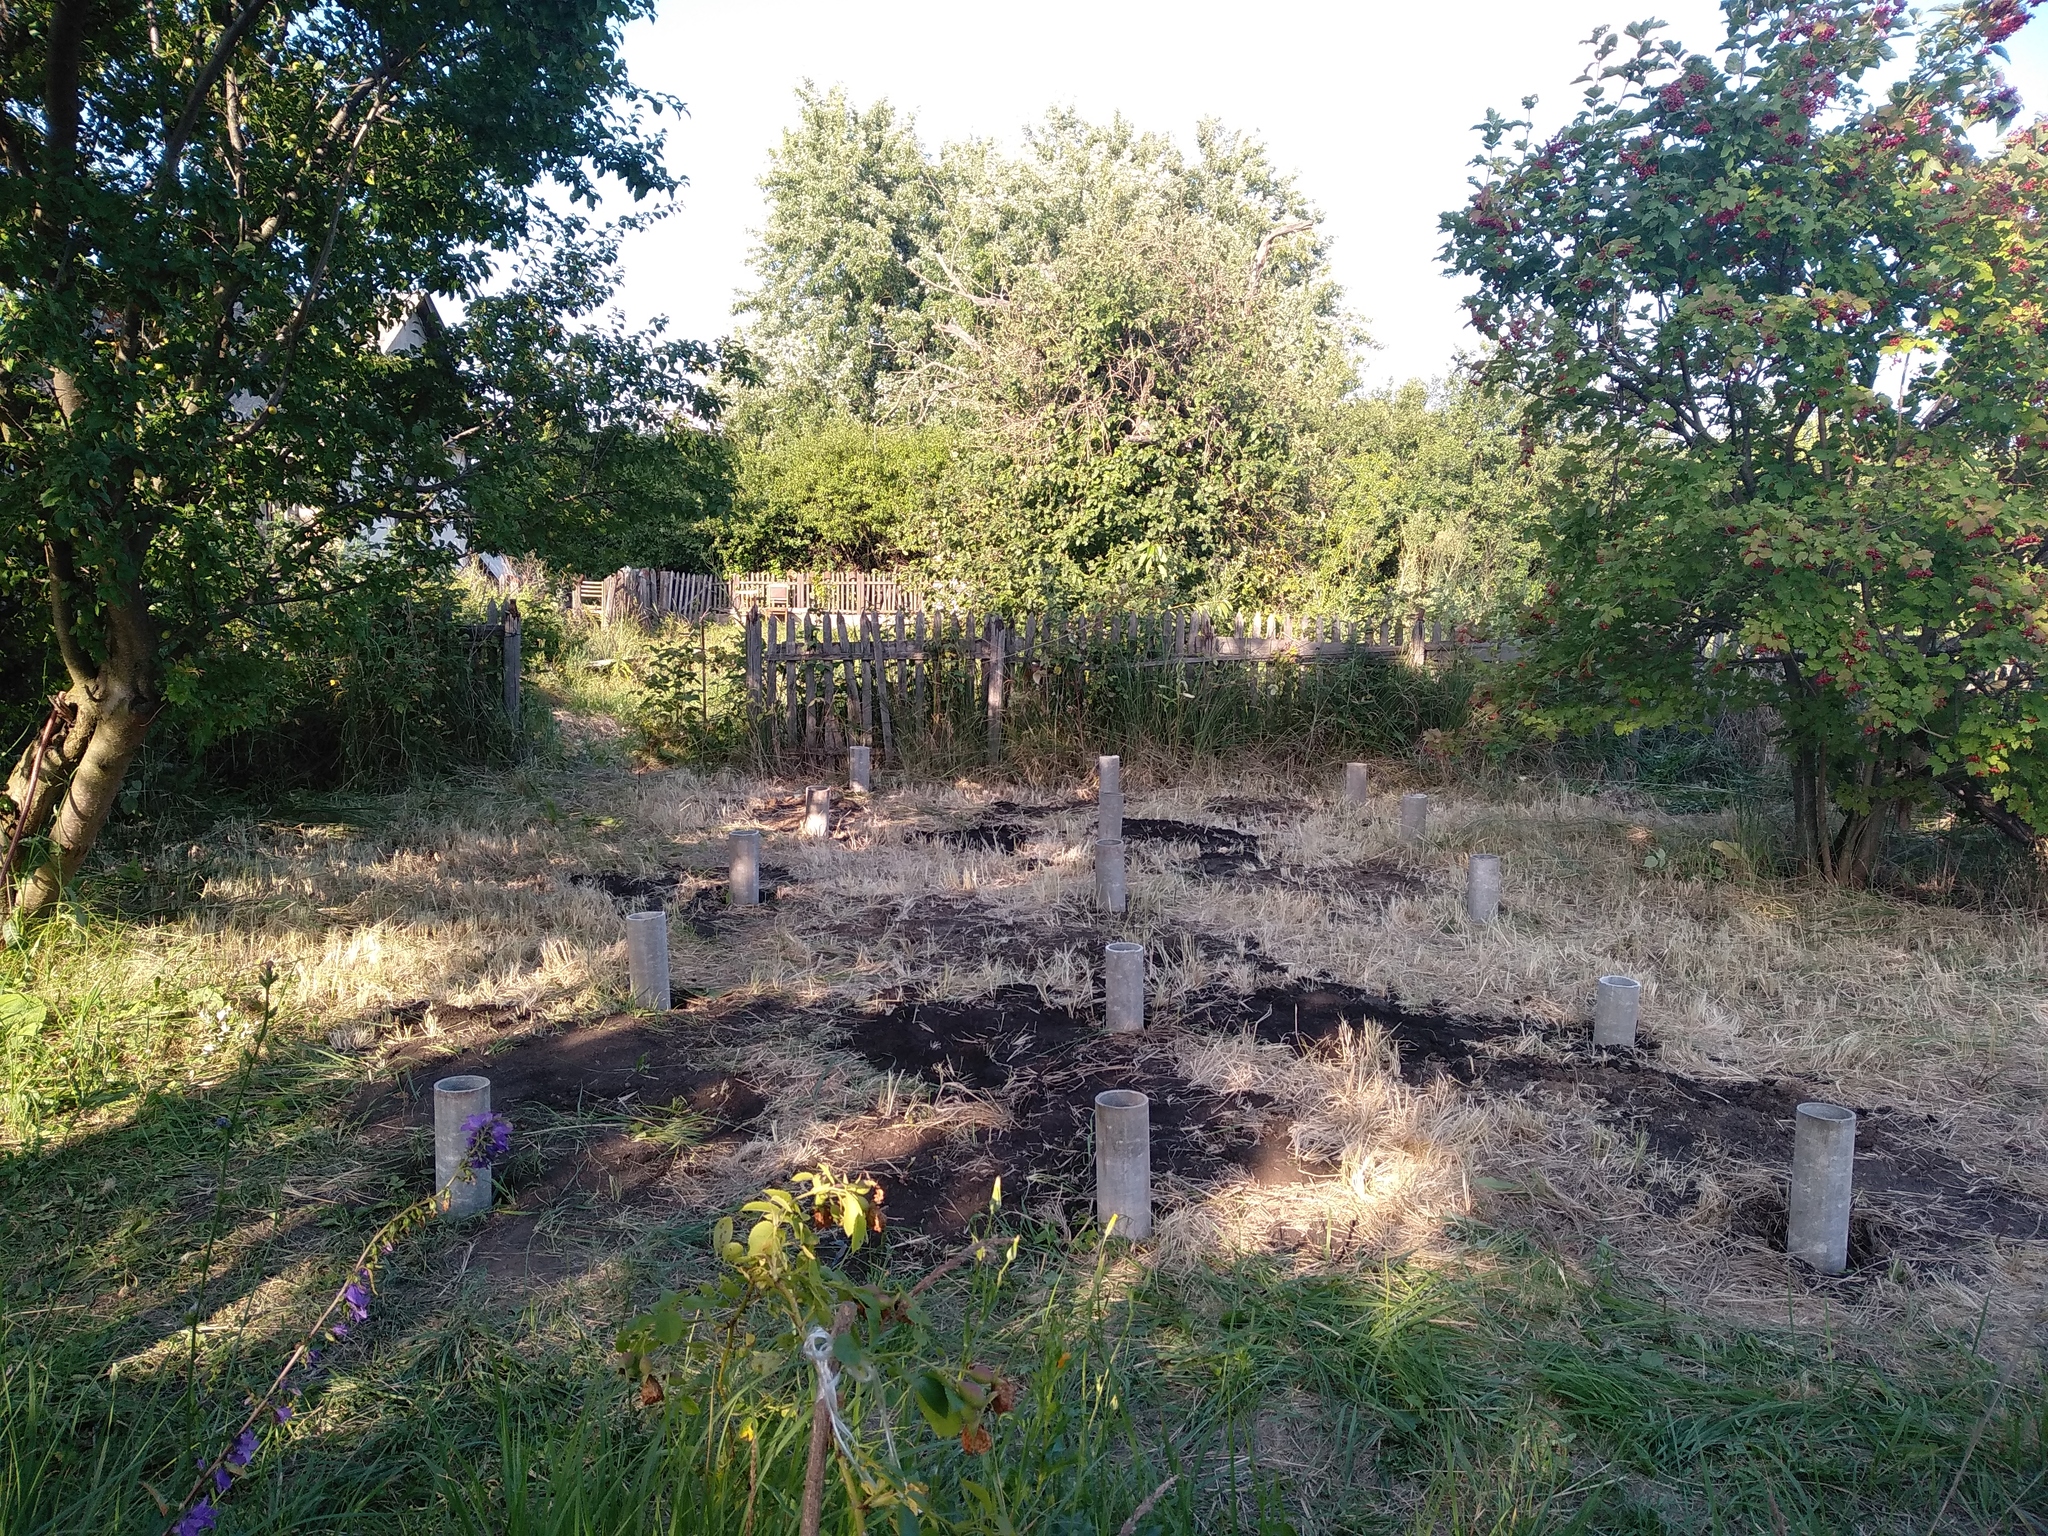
1792	329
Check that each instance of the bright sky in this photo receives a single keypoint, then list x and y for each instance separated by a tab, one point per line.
1369	104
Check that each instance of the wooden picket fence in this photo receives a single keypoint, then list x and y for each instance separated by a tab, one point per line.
821	680
642	595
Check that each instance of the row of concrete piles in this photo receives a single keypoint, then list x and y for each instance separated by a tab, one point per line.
1824	1145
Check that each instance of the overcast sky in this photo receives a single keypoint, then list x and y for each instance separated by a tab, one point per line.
1369	104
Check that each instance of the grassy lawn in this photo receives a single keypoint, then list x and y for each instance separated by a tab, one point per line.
1425	1261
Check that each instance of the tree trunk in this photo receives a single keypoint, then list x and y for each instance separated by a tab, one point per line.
82	772
1846	853
1810	846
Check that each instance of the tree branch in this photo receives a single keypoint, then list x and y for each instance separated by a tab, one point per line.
1971	796
1265	254
195	99
57	558
60	84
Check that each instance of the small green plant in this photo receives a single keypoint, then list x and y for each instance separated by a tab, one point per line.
722	1356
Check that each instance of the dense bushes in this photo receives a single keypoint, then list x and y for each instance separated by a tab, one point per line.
386	682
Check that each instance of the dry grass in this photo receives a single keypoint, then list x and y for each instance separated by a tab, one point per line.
470	901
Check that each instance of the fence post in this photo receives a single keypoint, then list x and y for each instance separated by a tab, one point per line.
511	624
1418	654
754	670
879	663
998	641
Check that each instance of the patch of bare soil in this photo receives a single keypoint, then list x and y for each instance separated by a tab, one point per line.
967	928
1914	1197
1044	1065
694	896
1004	826
1375	881
785	814
1255	808
1218	850
631	1076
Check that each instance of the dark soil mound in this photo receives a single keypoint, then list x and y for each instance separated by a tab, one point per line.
1219	850
1253	808
1045	1064
1003	827
619	1062
695	896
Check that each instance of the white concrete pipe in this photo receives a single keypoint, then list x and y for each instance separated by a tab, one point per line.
457	1099
1414	819
1482	887
1109	821
860	769
1357	783
1110	894
1109	774
818	811
1123	1162
746	868
1823	1186
1123	987
1617	1003
647	959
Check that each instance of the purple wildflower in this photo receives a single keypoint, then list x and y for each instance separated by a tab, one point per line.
195	1521
244	1450
283	1411
338	1331
488	1137
356	1299
222	1482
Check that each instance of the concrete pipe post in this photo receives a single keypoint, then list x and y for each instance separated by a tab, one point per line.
1823	1186
1617	1003
818	811
1482	887
1110	893
1109	774
1123	987
457	1099
1109	821
746	868
647	958
1414	819
1123	1162
1357	783
860	769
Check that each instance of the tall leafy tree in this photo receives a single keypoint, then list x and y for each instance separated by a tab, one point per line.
852	201
1794	324
210	212
1148	418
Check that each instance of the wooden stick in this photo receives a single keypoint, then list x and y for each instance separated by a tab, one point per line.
821	1439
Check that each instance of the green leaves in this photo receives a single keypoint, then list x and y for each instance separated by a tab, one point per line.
22	1016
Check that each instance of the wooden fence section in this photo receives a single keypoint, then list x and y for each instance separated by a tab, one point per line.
646	595
642	595
820	680
848	592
